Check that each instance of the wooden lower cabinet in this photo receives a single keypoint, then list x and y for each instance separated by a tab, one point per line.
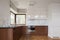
12	33
6	34
17	33
41	30
24	30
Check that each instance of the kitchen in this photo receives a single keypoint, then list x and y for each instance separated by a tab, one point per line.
29	17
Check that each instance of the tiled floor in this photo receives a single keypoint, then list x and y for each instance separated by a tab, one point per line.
35	37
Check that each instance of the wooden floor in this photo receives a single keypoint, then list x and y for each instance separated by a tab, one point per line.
36	37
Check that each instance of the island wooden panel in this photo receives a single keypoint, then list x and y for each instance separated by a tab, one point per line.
6	34
12	33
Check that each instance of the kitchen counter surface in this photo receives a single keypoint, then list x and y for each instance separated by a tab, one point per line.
23	25
6	27
14	26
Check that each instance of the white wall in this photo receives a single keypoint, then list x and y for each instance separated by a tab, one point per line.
4	12
38	21
54	20
39	8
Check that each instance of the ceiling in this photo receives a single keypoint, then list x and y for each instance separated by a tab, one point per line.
23	4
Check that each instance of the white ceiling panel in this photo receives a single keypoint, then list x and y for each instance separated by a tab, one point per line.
23	4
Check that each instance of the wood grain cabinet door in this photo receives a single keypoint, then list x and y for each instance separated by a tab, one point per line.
17	33
41	30
24	30
6	34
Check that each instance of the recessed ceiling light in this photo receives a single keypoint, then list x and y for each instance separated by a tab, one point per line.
36	16
32	3
42	16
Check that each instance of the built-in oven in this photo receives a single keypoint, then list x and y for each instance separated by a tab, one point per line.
31	28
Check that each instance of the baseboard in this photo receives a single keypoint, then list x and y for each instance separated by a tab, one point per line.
56	37
51	37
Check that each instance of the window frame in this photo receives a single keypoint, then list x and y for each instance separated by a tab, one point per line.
15	19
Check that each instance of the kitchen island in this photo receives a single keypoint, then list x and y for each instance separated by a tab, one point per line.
12	33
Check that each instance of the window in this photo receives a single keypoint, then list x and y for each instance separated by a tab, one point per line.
12	18
20	19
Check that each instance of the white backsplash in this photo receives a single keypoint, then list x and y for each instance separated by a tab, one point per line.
36	21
